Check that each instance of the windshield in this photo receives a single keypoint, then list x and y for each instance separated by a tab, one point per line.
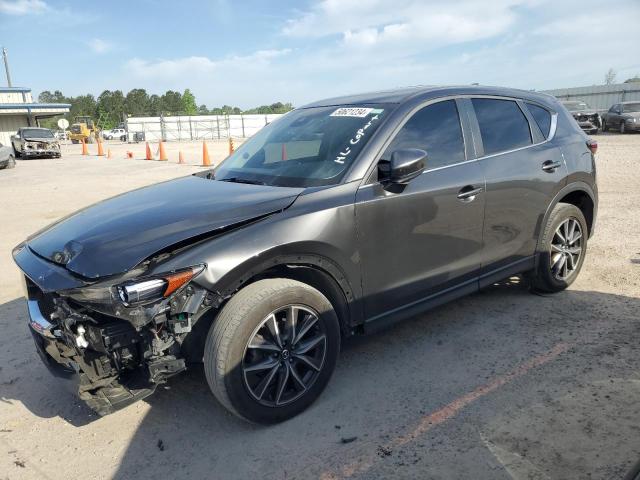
631	107
576	106
305	147
37	133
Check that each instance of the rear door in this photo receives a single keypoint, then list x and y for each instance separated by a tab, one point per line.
424	237
523	171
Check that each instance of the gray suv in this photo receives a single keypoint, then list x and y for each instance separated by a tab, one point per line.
624	116
336	219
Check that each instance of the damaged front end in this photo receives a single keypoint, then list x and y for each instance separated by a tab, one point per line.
120	338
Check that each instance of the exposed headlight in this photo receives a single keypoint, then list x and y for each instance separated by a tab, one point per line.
152	289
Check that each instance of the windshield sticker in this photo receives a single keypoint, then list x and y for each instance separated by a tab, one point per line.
351	112
344	154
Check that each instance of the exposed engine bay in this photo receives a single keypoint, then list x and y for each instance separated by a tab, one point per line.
120	357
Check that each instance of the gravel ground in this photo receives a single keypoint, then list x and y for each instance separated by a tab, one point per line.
501	384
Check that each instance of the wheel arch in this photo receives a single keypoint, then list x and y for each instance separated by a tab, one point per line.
579	194
315	270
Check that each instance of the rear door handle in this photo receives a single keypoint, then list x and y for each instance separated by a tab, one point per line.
468	193
550	166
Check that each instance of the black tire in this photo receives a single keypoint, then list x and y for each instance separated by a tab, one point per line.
75	141
544	278
604	127
623	130
239	322
11	163
123	138
91	139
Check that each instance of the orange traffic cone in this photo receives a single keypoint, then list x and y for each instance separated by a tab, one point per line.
231	148
100	149
109	153
85	149
206	161
163	154
129	154
284	152
149	156
181	158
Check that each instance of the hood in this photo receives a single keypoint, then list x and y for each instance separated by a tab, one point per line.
115	235
39	139
584	112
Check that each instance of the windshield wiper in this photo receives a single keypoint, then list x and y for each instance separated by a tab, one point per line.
242	180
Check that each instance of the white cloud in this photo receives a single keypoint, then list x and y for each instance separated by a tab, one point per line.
180	67
99	46
22	7
345	46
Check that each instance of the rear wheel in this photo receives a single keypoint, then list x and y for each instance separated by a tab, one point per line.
75	141
563	248
272	349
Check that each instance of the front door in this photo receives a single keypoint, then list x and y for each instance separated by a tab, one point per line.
421	238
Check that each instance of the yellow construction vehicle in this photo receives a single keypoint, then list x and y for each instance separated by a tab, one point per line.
83	128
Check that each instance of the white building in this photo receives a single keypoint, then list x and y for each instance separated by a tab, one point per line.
17	109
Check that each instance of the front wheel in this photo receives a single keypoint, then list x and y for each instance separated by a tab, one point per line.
622	127
272	349
604	127
562	250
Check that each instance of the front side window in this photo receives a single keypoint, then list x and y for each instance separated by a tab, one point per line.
542	116
436	130
503	126
306	147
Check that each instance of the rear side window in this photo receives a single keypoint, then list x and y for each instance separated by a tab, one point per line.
503	126
435	129
542	117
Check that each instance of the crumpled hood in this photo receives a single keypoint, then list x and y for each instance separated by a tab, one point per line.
115	235
584	112
39	139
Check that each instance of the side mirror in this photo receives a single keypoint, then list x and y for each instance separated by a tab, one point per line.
406	164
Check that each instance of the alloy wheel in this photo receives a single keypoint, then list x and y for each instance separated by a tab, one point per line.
566	249
284	355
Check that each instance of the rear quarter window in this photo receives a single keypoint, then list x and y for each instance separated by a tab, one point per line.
542	117
503	126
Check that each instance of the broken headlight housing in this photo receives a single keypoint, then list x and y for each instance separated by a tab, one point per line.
151	289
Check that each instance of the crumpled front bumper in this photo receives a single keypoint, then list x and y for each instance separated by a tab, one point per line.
105	395
37	153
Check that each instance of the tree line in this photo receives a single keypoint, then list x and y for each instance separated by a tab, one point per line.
113	106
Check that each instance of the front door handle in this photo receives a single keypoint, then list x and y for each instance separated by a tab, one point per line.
468	193
550	166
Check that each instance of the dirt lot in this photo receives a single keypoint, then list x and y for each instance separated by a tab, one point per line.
502	384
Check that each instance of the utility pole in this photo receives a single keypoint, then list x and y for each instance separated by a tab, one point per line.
6	66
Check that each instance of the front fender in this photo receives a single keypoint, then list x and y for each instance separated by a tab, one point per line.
318	230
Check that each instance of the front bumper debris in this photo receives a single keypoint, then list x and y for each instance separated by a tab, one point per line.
38	153
111	372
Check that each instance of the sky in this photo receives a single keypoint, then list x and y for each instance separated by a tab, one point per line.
254	52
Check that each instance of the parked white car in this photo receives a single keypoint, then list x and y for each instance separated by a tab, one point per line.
118	133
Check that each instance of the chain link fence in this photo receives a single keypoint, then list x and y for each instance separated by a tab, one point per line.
198	127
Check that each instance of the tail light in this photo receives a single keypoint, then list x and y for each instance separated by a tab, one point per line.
593	146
